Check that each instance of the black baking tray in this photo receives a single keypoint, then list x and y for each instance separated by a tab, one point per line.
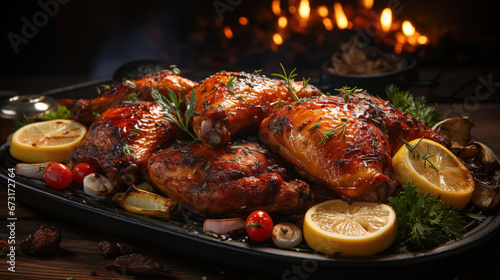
183	234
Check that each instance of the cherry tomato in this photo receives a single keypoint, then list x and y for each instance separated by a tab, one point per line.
259	226
81	170
57	175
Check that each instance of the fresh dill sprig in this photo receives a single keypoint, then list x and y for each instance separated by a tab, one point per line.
416	153
424	221
415	106
173	105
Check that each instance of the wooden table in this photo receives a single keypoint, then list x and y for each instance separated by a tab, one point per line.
78	258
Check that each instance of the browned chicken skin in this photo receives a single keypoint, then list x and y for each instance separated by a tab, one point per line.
84	110
233	179
122	138
346	148
232	102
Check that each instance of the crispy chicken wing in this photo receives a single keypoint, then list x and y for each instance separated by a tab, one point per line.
122	138
84	110
232	179
232	102
346	148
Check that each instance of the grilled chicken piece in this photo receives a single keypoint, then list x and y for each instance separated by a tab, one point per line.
122	138
230	180
232	102
85	109
346	148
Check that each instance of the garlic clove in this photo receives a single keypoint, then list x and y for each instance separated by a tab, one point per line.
97	185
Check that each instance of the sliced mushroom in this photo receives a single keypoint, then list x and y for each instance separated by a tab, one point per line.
97	185
146	203
286	235
458	130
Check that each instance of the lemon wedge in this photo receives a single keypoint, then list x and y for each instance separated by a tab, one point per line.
48	141
442	173
357	229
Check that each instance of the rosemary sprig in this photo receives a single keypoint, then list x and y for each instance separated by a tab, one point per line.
173	105
328	134
230	85
288	78
175	69
415	152
348	92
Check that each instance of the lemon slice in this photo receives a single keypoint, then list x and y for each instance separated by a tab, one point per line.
357	229
452	181
53	140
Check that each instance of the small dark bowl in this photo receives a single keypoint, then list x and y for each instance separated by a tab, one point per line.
372	83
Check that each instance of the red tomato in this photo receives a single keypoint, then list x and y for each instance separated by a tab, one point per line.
58	175
81	170
259	226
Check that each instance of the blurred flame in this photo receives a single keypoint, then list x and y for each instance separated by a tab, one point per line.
423	40
277	39
328	23
276	7
282	22
386	19
340	16
408	28
304	9
243	20
228	32
322	11
368	4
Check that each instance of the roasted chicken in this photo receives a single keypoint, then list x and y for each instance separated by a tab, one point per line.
85	110
232	179
229	103
122	138
344	144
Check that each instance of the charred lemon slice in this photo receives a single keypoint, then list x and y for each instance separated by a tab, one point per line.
357	229
46	141
434	169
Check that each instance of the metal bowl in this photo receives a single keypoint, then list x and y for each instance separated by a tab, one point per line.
372	83
28	105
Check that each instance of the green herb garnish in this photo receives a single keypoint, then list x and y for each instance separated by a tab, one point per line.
230	86
20	122
61	112
175	69
328	134
415	106
416	153
127	150
288	78
135	131
173	105
130	84
134	96
424	221
348	92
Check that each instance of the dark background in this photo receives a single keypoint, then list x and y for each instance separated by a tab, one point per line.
90	39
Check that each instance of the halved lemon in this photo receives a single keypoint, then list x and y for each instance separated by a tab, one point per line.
442	173
53	140
357	229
